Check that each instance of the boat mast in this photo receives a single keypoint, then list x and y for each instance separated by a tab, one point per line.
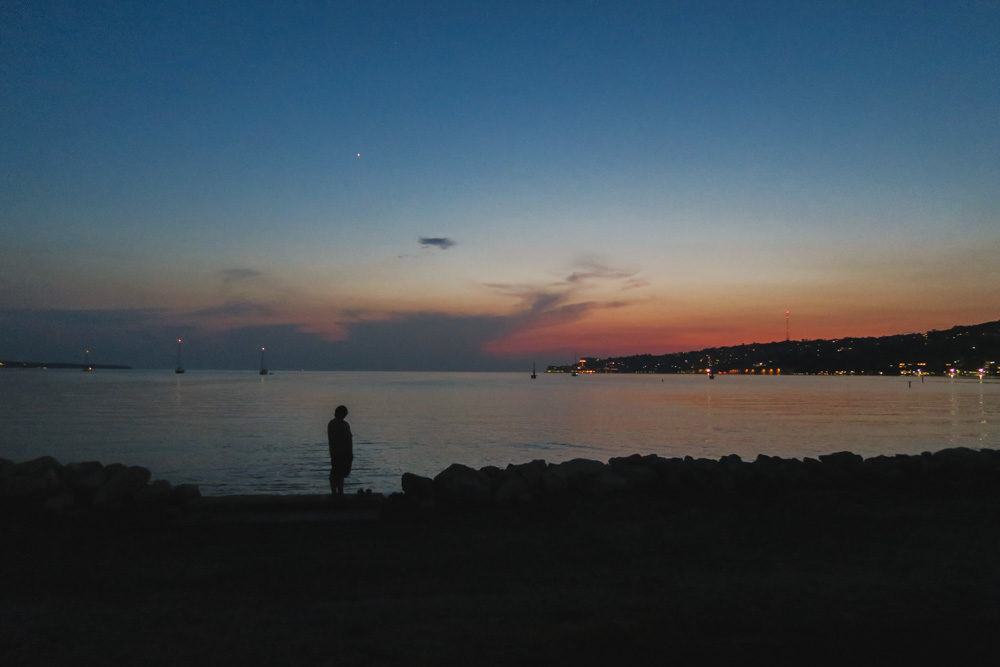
180	363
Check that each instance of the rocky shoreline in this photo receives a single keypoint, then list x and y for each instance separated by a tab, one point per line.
643	559
689	479
47	486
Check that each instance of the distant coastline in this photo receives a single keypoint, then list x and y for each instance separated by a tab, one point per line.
961	350
61	365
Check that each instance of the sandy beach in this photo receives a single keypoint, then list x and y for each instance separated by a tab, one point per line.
862	573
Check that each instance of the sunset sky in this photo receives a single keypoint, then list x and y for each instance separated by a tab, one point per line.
476	186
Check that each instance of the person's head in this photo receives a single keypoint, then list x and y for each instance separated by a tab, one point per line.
340	412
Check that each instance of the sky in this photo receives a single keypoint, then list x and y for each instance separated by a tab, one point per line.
483	185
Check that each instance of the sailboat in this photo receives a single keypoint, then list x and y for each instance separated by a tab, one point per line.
533	375
87	366
263	371
180	366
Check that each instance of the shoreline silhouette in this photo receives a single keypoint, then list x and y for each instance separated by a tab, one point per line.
896	552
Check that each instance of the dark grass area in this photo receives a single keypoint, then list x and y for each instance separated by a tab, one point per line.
808	579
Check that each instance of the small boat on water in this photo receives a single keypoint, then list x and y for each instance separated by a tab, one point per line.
87	366
533	375
263	370
180	366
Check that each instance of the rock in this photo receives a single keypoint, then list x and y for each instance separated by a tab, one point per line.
639	477
138	476
37	466
632	459
160	491
521	482
731	461
463	485
841	459
24	487
121	484
186	493
576	471
605	483
494	474
531	473
85	477
417	487
514	489
958	456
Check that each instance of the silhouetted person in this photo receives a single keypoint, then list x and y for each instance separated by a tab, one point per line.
338	432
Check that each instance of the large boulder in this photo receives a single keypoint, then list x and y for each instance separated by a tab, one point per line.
460	484
606	483
417	487
27	488
121	485
570	475
841	459
521	482
638	477
39	466
86	477
514	489
186	493
576	471
531	472
158	493
495	476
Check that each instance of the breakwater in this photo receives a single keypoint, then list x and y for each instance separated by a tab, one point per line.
686	480
46	484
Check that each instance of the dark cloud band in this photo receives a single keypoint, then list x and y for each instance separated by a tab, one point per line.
442	242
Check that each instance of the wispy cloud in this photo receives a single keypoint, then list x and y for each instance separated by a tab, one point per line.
591	270
234	275
635	283
442	242
545	308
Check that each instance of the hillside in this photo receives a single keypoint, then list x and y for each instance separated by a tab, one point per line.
966	349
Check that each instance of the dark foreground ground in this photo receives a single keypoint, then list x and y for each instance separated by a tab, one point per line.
788	580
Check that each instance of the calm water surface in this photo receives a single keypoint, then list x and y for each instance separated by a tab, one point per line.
237	432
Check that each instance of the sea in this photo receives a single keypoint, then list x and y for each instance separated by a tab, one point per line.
238	432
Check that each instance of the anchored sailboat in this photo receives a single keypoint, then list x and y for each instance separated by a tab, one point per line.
533	375
263	371
180	365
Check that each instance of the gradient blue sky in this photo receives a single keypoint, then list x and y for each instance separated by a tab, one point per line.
535	180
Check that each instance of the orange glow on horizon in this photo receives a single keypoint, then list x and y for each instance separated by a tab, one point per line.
608	335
